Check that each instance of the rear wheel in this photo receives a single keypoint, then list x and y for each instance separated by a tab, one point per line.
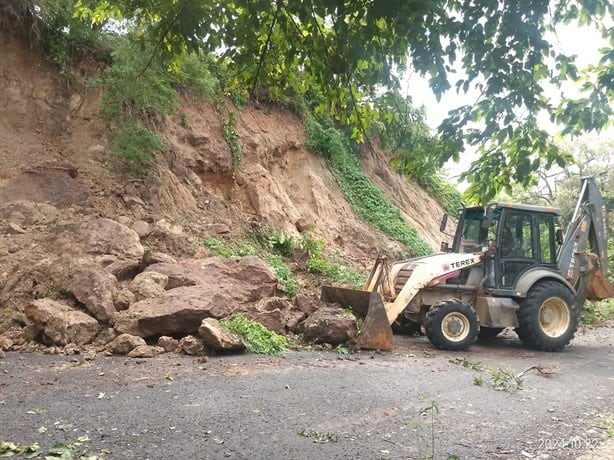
452	325
548	317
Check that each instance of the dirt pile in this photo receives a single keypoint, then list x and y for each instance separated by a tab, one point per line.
79	235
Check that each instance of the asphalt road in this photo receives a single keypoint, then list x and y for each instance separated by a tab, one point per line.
415	402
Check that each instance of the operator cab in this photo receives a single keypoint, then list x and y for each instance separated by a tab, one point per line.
518	238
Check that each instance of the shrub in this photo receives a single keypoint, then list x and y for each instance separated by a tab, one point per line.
135	144
194	74
136	86
257	338
366	199
229	250
284	275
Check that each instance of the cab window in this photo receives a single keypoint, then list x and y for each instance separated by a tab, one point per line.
545	226
474	235
516	236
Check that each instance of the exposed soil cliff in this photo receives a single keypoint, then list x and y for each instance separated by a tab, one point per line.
59	186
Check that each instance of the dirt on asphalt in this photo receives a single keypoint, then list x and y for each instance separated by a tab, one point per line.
414	402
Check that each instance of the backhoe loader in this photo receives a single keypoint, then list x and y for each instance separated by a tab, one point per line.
509	266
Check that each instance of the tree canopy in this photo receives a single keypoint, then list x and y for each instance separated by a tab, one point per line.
349	52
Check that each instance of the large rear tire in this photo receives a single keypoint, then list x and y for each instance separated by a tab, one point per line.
548	317
452	325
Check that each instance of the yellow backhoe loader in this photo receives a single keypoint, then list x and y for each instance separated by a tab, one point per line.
509	266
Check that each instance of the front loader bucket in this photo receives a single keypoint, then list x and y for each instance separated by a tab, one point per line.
375	333
599	287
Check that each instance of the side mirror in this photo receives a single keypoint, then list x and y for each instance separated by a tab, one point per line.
489	214
444	222
559	236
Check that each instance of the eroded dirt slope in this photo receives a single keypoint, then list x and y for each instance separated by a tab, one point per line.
57	174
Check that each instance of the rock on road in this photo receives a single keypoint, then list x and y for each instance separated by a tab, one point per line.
415	402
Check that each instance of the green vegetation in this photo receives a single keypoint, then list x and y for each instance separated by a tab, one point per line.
228	250
318	437
427	428
415	151
257	338
318	261
366	199
63	37
76	450
228	119
331	269
196	74
241	248
135	144
232	138
443	191
141	82
606	421
500	379
340	57
597	313
284	274
273	246
135	92
275	240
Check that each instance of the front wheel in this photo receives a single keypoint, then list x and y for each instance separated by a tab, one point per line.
452	325
548	317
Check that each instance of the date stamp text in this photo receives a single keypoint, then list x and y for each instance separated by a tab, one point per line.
568	443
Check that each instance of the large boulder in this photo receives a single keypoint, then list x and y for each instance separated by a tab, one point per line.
329	325
101	236
178	311
247	279
306	304
273	320
216	337
260	277
220	287
60	323
278	314
271	313
93	286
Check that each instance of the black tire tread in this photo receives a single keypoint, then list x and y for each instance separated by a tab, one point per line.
529	330
437	312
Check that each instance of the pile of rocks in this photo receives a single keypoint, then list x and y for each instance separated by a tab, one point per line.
98	290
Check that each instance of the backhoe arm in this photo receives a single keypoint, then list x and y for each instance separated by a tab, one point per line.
583	257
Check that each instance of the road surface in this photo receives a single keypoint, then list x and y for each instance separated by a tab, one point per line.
414	402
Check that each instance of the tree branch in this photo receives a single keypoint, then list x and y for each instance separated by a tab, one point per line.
265	48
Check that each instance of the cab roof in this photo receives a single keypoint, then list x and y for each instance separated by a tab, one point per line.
526	207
